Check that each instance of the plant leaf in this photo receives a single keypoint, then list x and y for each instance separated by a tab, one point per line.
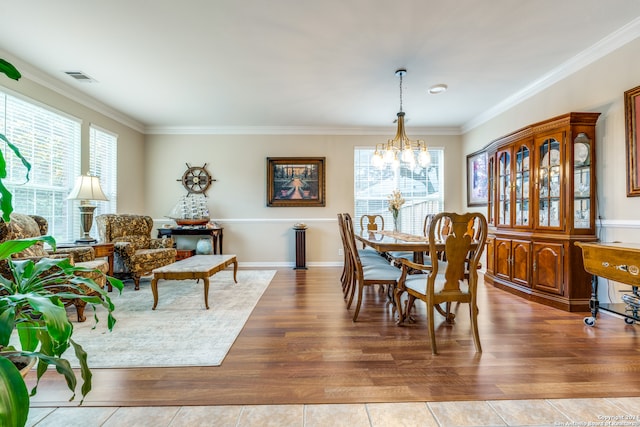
10	247
85	372
56	322
6	198
62	367
8	69
7	323
6	204
27	331
14	397
19	155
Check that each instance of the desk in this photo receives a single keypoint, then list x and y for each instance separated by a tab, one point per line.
615	261
215	233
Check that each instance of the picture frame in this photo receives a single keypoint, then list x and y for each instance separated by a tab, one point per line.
477	179
295	181
632	118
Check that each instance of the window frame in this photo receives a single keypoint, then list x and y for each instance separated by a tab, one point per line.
415	208
48	199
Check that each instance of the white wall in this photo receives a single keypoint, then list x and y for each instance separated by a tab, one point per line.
597	87
258	234
131	146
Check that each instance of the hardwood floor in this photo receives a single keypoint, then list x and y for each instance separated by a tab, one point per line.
300	346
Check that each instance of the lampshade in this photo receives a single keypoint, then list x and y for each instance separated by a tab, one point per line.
87	187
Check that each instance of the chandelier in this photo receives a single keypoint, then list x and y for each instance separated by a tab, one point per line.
401	148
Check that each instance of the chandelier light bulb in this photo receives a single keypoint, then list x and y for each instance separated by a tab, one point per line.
407	155
389	156
424	158
376	160
395	163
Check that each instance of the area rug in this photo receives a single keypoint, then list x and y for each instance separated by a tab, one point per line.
180	331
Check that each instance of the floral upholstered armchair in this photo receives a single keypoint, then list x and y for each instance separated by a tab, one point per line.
136	253
24	226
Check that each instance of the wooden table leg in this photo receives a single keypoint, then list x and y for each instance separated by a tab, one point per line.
154	290
235	269
206	292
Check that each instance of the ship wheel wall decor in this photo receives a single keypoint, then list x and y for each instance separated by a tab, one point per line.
196	179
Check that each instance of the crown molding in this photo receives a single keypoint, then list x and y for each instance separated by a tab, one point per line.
610	43
291	130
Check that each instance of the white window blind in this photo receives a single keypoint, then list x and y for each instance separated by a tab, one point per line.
50	141
103	163
420	187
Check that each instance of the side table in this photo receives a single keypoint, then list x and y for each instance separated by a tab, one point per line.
215	233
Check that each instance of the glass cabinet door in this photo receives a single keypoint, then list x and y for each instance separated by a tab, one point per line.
491	206
549	189
582	181
522	182
504	188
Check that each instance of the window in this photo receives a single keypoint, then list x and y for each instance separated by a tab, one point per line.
103	163
51	142
420	187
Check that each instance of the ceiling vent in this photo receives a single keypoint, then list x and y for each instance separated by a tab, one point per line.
80	76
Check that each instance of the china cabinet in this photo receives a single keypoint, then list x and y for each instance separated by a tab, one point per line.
541	202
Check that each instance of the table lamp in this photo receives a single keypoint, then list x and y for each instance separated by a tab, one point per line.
87	188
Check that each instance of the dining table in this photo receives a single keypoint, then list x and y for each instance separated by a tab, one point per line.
395	241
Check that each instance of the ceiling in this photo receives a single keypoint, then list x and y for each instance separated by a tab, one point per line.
298	64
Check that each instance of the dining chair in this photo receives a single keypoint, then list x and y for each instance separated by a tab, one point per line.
367	270
371	222
453	280
368	256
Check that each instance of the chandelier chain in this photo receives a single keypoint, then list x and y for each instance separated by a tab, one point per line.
400	92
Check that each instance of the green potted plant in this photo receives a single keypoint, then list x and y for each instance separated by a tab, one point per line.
32	309
32	306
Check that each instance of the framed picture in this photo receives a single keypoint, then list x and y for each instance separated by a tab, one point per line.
477	179
295	181
632	118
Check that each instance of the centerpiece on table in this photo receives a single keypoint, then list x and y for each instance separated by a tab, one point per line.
395	203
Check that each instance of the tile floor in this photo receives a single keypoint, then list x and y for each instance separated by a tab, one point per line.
605	412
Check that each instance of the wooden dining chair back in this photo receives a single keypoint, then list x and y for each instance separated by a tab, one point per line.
377	271
345	277
371	222
455	280
428	219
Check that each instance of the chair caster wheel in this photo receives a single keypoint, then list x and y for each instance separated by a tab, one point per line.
589	321
629	321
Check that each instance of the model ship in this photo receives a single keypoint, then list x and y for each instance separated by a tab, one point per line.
191	210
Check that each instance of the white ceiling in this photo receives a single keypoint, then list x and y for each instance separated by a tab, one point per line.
324	64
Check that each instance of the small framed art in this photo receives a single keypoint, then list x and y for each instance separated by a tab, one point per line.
632	118
477	179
